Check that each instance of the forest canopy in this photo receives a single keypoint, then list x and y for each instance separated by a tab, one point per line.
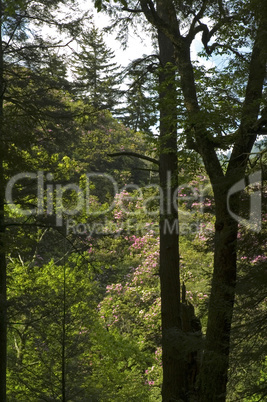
133	202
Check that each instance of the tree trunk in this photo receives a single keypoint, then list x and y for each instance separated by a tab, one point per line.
213	377
173	373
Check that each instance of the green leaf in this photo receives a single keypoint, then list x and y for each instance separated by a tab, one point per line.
98	5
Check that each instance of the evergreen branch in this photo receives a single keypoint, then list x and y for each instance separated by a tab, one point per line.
12	34
42	46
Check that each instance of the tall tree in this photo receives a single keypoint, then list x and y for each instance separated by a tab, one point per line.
231	28
140	112
97	76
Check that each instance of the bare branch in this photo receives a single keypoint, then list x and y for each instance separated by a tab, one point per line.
135	155
193	29
208	34
260	127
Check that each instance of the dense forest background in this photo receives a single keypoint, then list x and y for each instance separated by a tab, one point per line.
80	210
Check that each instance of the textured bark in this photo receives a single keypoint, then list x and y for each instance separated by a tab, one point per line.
213	377
179	361
173	371
173	386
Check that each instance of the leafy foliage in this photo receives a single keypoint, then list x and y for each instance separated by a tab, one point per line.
84	309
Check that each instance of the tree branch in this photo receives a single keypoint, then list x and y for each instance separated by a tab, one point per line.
208	34
135	155
147	170
193	29
260	126
131	10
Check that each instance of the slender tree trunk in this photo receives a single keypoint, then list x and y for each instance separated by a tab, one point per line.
173	387
3	294
173	383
